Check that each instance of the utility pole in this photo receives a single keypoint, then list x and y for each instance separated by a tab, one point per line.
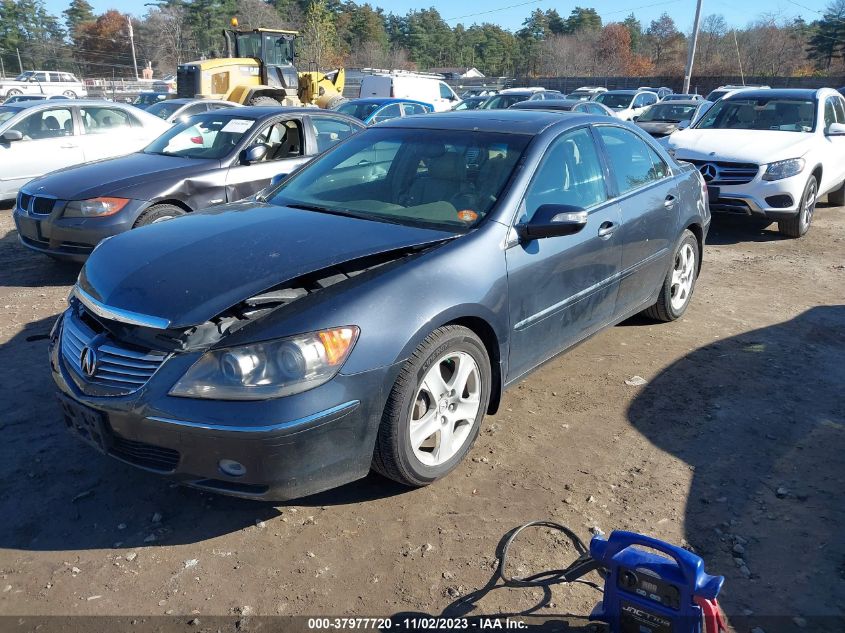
739	59
132	42
20	63
692	44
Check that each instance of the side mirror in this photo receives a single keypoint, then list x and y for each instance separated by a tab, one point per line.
553	220
254	154
12	135
275	180
834	129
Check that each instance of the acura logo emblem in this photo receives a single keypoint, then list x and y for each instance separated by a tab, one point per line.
88	361
709	171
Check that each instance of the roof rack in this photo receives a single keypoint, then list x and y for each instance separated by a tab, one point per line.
401	73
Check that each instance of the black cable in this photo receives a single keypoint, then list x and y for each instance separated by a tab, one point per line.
581	566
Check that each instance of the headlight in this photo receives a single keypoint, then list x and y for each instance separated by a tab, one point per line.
268	370
95	207
783	169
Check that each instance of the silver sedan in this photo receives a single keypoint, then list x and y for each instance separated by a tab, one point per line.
38	139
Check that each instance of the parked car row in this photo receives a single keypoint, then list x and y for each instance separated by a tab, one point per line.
339	291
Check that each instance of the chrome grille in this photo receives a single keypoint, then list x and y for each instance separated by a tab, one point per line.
122	369
725	173
23	200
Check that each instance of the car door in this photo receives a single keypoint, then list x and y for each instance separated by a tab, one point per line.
49	143
285	139
648	197
563	288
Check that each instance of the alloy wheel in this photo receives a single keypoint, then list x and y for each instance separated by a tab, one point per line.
683	275
445	408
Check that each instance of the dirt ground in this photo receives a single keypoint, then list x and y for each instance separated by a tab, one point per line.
733	447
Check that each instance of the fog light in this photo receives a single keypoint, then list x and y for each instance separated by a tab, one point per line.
231	467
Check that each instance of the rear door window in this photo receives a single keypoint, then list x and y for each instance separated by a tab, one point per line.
389	112
330	132
633	163
103	120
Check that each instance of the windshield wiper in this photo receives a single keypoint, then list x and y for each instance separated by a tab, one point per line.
341	212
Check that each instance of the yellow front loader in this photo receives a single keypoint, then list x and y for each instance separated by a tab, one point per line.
258	70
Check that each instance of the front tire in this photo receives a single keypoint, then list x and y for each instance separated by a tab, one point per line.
798	225
434	411
679	283
158	213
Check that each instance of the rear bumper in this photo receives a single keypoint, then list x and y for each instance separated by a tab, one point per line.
71	239
305	444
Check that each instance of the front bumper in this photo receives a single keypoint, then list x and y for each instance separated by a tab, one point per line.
290	447
774	200
71	239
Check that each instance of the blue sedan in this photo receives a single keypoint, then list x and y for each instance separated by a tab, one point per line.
372	111
369	310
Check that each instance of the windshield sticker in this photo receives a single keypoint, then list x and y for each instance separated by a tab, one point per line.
237	126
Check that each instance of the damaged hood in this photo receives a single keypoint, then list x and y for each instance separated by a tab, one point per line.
188	270
138	176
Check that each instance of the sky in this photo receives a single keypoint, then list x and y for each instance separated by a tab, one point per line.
509	14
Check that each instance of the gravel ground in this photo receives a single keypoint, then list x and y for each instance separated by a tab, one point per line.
732	447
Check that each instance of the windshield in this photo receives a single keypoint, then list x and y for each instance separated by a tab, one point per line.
470	103
358	110
24	76
7	113
503	101
614	100
669	113
146	99
210	137
164	109
580	96
764	113
717	94
441	179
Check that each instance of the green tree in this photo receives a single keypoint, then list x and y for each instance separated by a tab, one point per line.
78	13
828	36
635	29
320	44
581	19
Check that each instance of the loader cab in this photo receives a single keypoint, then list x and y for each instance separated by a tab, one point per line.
274	49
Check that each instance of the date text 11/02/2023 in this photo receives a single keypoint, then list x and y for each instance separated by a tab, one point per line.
415	623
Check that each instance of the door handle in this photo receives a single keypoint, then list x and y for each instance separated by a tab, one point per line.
669	202
606	229
68	146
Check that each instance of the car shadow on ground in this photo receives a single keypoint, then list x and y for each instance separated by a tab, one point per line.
62	495
731	229
28	269
760	420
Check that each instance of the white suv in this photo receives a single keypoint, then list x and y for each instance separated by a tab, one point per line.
626	104
770	153
43	82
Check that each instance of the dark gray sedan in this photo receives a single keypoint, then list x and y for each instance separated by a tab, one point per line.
564	105
370	310
212	158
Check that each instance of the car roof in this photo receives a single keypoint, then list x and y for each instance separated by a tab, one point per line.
265	112
385	100
548	104
774	93
531	122
674	102
623	92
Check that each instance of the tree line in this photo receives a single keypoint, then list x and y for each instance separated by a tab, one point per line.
344	32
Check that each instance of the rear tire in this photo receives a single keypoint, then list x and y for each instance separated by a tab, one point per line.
70	94
679	283
798	225
263	101
14	92
158	213
435	409
837	196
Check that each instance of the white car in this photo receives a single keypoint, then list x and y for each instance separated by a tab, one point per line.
724	91
626	104
425	87
770	153
43	82
37	139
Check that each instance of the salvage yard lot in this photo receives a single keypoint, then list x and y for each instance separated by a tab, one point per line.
733	447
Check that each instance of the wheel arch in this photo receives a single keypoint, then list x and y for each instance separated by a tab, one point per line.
173	201
488	336
698	231
817	172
